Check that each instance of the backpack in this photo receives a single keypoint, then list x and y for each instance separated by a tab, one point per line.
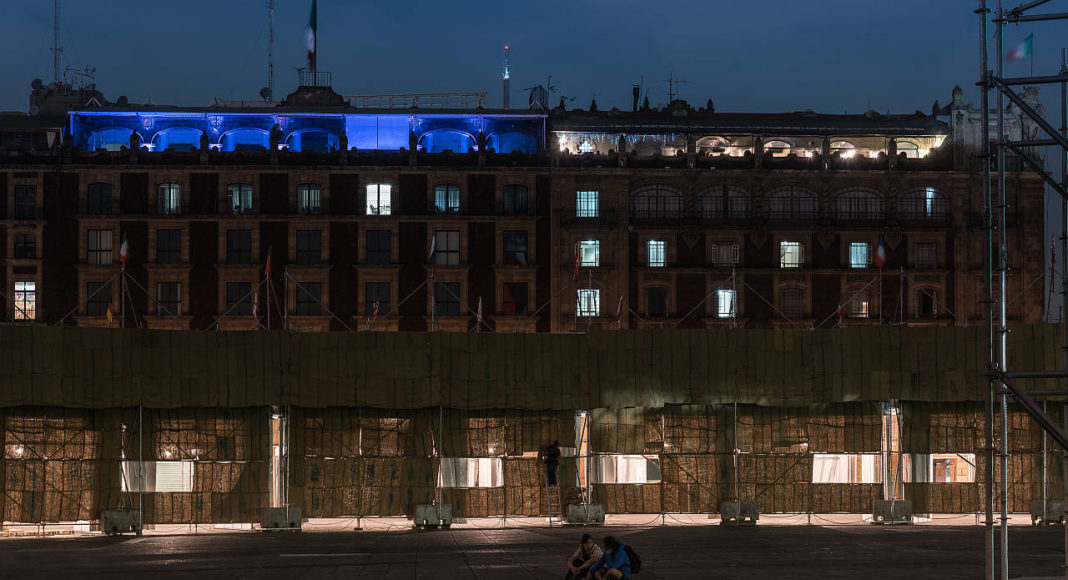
635	560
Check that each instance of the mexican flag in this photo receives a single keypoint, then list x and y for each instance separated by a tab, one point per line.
310	37
1022	50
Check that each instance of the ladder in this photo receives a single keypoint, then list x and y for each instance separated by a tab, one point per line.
552	493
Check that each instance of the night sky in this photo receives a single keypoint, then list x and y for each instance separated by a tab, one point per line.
830	56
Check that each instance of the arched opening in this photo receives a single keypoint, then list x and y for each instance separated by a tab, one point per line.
177	139
312	140
791	201
712	145
910	149
725	201
245	140
924	203
843	148
656	201
442	140
777	148
109	139
859	203
513	141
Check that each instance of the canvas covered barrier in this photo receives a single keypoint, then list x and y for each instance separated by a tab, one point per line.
109	368
380	462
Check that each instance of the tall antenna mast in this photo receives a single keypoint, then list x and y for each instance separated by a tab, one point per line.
506	76
56	49
270	50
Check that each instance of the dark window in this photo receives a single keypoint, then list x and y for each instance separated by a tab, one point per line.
169	297
515	248
97	298
447	248
515	199
725	201
656	302
926	255
859	204
25	246
168	246
928	307
379	249
309	247
98	246
169	199
308	198
447	199
791	202
98	200
25	202
377	291
239	298
238	246
515	299
926	203
309	294
239	198
656	201
447	298
790	302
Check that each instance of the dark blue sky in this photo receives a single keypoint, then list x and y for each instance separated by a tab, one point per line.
829	55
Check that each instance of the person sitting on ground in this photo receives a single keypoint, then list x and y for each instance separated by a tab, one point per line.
614	564
588	553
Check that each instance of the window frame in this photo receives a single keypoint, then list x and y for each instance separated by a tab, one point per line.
238	296
858	259
25	201
162	305
95	253
24	247
231	253
511	196
515	247
589	247
24	300
308	247
306	302
511	305
587	203
588	302
243	206
784	246
374	254
447	299
168	255
446	252
656	253
98	296
447	199
102	192
169	198
731	311
309	199
384	302
379	190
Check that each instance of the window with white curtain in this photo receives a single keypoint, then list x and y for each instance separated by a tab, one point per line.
625	469
471	472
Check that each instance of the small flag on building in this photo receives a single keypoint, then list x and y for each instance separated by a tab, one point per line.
374	312
880	254
841	310
1022	50
478	315
309	41
256	303
576	261
267	267
110	315
124	251
433	249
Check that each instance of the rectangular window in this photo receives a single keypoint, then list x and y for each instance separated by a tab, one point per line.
589	253
447	199
588	302
858	305
447	248
25	246
515	199
238	246
98	247
928	303
515	299
725	303
790	302
97	298
625	469
169	297
859	255
309	295
157	476
471	472
98	199
379	247
726	253
379	291
25	202
656	302
847	468
239	298
169	199
447	298
586	204
309	247
926	257
655	253
791	254
950	467
168	246
515	248
25	300
378	199
309	199
239	198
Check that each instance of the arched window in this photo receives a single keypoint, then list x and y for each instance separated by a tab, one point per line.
859	203
442	140
712	145
791	201
725	201
791	302
924	203
656	201
178	139
109	139
910	149
777	148
245	140
312	140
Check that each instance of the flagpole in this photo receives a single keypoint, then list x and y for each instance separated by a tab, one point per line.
880	296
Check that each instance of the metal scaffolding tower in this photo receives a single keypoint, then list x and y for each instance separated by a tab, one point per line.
995	206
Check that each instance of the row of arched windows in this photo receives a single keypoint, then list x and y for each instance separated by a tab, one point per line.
788	202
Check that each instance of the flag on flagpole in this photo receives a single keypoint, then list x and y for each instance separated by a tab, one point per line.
110	315
256	303
267	267
576	261
880	254
309	41
124	251
433	249
619	310
1022	50
478	314
374	313
841	310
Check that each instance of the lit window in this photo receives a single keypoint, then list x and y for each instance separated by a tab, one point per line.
589	253
726	253
656	253
859	255
589	302
309	297
309	199
471	472
585	147
625	469
157	476
847	468
447	248
926	258
586	204
378	199
239	198
725	303
98	246
25	300
858	304
950	467
169	199
791	254
925	203
169	297
447	199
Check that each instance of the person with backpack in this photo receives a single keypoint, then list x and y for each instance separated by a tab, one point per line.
587	554
615	564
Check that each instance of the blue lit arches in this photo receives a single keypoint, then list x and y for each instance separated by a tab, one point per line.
441	140
245	139
314	140
177	139
111	139
509	141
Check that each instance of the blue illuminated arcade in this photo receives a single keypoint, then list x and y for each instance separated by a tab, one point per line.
250	130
